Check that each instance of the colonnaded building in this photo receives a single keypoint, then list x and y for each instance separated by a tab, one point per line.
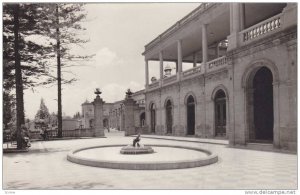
242	84
235	77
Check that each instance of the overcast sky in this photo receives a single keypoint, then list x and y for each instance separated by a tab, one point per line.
118	34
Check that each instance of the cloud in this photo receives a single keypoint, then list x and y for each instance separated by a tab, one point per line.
107	58
135	86
114	92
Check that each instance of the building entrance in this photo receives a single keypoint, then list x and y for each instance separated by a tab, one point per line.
190	116
220	113
263	104
169	118
153	118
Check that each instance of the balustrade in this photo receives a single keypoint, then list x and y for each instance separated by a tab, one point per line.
217	62
170	79
153	85
262	28
192	71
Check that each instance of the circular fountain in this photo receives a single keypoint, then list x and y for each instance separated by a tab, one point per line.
140	157
165	157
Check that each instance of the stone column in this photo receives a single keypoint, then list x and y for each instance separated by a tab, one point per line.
204	46
146	74
242	16
195	60
237	18
98	115
289	17
217	51
179	59
161	65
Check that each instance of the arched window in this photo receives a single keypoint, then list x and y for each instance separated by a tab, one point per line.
169	116
142	119
220	113
190	115
152	118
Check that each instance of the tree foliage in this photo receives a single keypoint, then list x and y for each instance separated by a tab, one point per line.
77	115
43	112
30	34
32	54
64	31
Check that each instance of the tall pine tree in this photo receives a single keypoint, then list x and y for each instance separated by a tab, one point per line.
64	26
22	66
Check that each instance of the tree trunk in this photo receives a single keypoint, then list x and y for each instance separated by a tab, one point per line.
59	112
18	77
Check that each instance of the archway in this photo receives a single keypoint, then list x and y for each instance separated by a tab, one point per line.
190	115
91	123
260	101
220	113
169	117
105	123
142	119
152	118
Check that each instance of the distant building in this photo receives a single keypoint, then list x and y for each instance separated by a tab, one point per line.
88	114
113	113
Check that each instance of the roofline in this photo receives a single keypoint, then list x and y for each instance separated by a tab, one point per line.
186	19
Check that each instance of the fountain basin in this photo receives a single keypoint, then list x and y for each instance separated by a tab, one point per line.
164	157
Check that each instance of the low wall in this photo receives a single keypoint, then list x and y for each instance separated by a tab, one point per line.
65	133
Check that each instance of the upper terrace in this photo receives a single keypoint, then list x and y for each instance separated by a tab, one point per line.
203	37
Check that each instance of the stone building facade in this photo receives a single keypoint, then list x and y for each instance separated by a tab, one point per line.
243	84
88	120
117	113
113	113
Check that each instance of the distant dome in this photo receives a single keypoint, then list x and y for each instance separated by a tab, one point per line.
168	67
168	70
86	102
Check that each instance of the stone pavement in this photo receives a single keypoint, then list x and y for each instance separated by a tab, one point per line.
45	166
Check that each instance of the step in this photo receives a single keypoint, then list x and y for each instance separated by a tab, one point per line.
261	146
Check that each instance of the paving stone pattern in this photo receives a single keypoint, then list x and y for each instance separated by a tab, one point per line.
45	166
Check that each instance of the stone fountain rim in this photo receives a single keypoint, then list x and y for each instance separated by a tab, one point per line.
158	165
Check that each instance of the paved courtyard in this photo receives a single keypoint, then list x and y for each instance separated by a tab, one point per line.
45	166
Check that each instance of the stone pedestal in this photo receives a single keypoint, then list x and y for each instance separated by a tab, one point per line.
98	114
129	107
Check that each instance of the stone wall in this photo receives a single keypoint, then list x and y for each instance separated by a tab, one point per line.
202	90
277	52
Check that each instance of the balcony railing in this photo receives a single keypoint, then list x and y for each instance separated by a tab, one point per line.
192	71
170	79
221	61
265	27
154	85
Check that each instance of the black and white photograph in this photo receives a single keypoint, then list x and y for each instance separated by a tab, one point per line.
149	96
